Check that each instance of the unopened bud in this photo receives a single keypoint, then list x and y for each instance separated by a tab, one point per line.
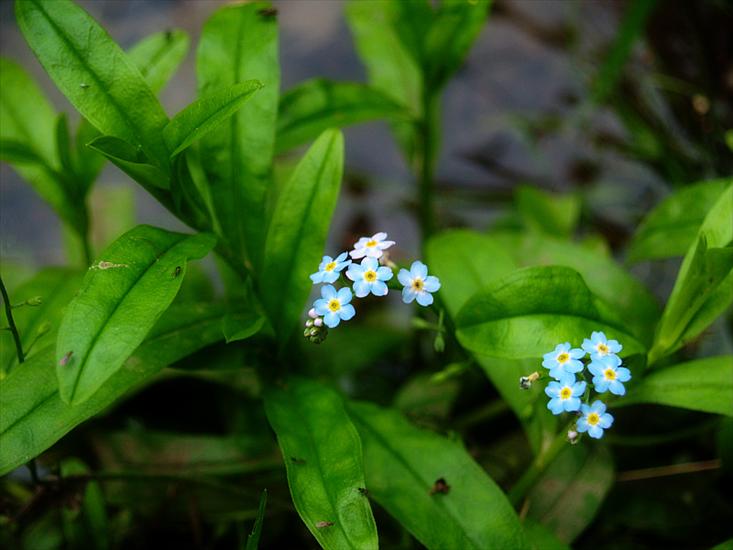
318	322
44	327
309	323
573	436
312	313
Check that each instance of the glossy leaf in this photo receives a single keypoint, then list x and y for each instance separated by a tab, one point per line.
316	105
133	162
34	415
37	325
298	231
239	42
158	56
94	74
672	226
322	453
122	296
529	312
569	494
700	385
403	464
205	114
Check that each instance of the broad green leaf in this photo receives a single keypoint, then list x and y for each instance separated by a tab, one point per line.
253	539
700	385
570	492
706	266
672	226
316	105
158	56
238	43
94	74
323	458
33	416
298	231
403	464
122	296
529	312
133	162
18	153
548	213
205	114
241	325
37	325
390	67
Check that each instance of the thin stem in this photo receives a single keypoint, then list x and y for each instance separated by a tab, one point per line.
87	248
11	322
426	166
671	470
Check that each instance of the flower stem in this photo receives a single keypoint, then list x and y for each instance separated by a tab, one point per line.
11	322
426	166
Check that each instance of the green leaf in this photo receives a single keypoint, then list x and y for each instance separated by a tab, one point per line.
121	298
403	464
319	104
239	42
242	325
253	539
530	311
700	385
548	213
37	325
85	525
94	74
322	453
298	231
706	266
541	538
133	162
205	114
672	226
158	56
34	415
14	152
63	147
569	494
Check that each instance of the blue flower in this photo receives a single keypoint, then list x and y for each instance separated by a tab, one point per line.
418	284
565	394
563	360
608	375
594	419
369	277
599	346
329	268
334	306
373	246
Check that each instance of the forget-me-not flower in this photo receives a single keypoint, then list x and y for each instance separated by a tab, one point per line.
599	346
594	419
329	269
369	277
418	284
372	247
608	375
563	360
334	305
565	394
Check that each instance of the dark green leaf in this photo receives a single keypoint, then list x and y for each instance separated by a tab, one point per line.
404	466
34	416
239	42
133	162
17	153
529	312
205	114
253	540
158	56
700	385
322	453
672	226
88	162
570	492
242	325
63	146
548	213
94	73
298	231
121	298
319	104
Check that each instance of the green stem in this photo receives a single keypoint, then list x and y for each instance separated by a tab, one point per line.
11	322
426	166
87	248
538	467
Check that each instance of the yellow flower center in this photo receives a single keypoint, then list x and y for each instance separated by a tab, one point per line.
371	243
593	419
602	348
334	305
370	276
610	374
417	285
330	266
566	393
563	357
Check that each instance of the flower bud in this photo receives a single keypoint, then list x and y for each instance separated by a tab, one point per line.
312	313
318	322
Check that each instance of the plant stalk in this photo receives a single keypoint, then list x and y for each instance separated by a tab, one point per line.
11	322
426	167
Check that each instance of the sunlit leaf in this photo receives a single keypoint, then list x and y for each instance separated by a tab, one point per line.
158	56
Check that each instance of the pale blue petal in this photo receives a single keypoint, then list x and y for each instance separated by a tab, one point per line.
341	265
623	374
331	319
572	404
585	409
614	346
553	389
576	353
355	272
424	298
596	432
600	384
432	283
384	273
316	277
374	252
582	424
341	257
347	312
598	407
557	372
379	236
361	288
574	366
595	368
563	347
597	337
588	346
404	277
617	388
555	405
369	264
606	421
328	292
578	389
408	295
379	288
321	306
419	269
331	277
344	295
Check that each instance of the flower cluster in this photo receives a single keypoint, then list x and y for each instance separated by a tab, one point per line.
570	391
369	276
